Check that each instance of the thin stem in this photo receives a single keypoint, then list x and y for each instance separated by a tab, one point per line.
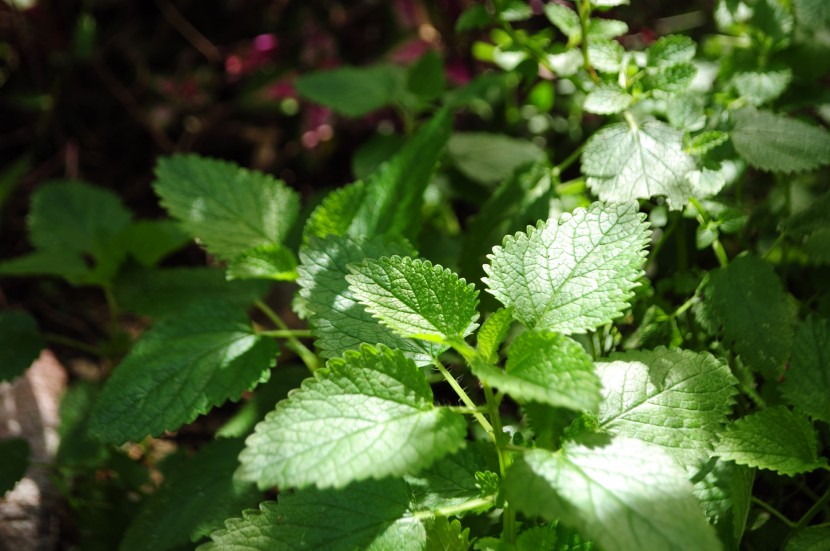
508	513
685	306
306	355
814	510
189	32
478	503
488	428
73	343
569	160
717	246
114	311
584	16
632	122
774	512
286	333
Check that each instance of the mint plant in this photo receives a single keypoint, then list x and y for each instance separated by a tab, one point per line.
613	336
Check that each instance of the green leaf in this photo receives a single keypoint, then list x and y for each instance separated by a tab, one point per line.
671	50
492	334
807	381
606	99
149	241
565	19
472	18
77	447
656	328
706	141
515	10
676	399
389	202
20	343
166	292
606	28
451	481
367	415
372	153
414	298
272	261
490	158
443	535
608	3
762	87
197	495
546	367
749	302
815	216
812	538
573	274
811	14
775	438
230	209
606	56
371	515
426	77
685	111
779	143
181	368
338	321
673	78
624	163
15	454
66	264
623	495
725	493
352	91
552	537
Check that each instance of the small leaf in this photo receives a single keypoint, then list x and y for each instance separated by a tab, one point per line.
671	50
493	333
606	28
812	538
676	399
368	415
272	261
515	10
426	77
66	264
606	99
198	493
624	163
472	18
673	78
149	241
338	321
179	369
443	535
352	91
451	481
623	495
573	274
546	367
779	143
15	453
414	298
605	55
565	19
775	439
762	87
807	382
230	209
608	3
749	302
20	343
490	158
706	141
371	515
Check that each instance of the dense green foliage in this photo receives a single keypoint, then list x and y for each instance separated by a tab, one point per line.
612	336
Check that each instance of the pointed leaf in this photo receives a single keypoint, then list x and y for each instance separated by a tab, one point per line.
368	415
573	274
624	495
198	493
490	158
230	209
179	369
20	343
775	439
443	535
493	333
414	298
807	382
337	319
370	515
149	241
779	143
66	264
565	19
546	367
676	399
725	493
352	91
624	163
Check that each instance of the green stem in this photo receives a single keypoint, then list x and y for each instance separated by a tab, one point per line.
569	160
115	313
774	512
814	510
73	343
286	333
508	513
306	355
471	505
465	398
717	246
584	15
685	306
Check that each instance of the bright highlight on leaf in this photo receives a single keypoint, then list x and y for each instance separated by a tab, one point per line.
773	438
230	209
414	298
676	399
574	274
274	261
370	414
623	495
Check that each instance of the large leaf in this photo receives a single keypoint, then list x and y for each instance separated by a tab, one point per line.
389	201
725	493
807	383
489	158
546	367
624	163
371	515
812	538
572	274
337	319
20	343
198	493
368	415
779	143
676	399
353	91
747	300
624	495
414	298
775	439
179	369
228	208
